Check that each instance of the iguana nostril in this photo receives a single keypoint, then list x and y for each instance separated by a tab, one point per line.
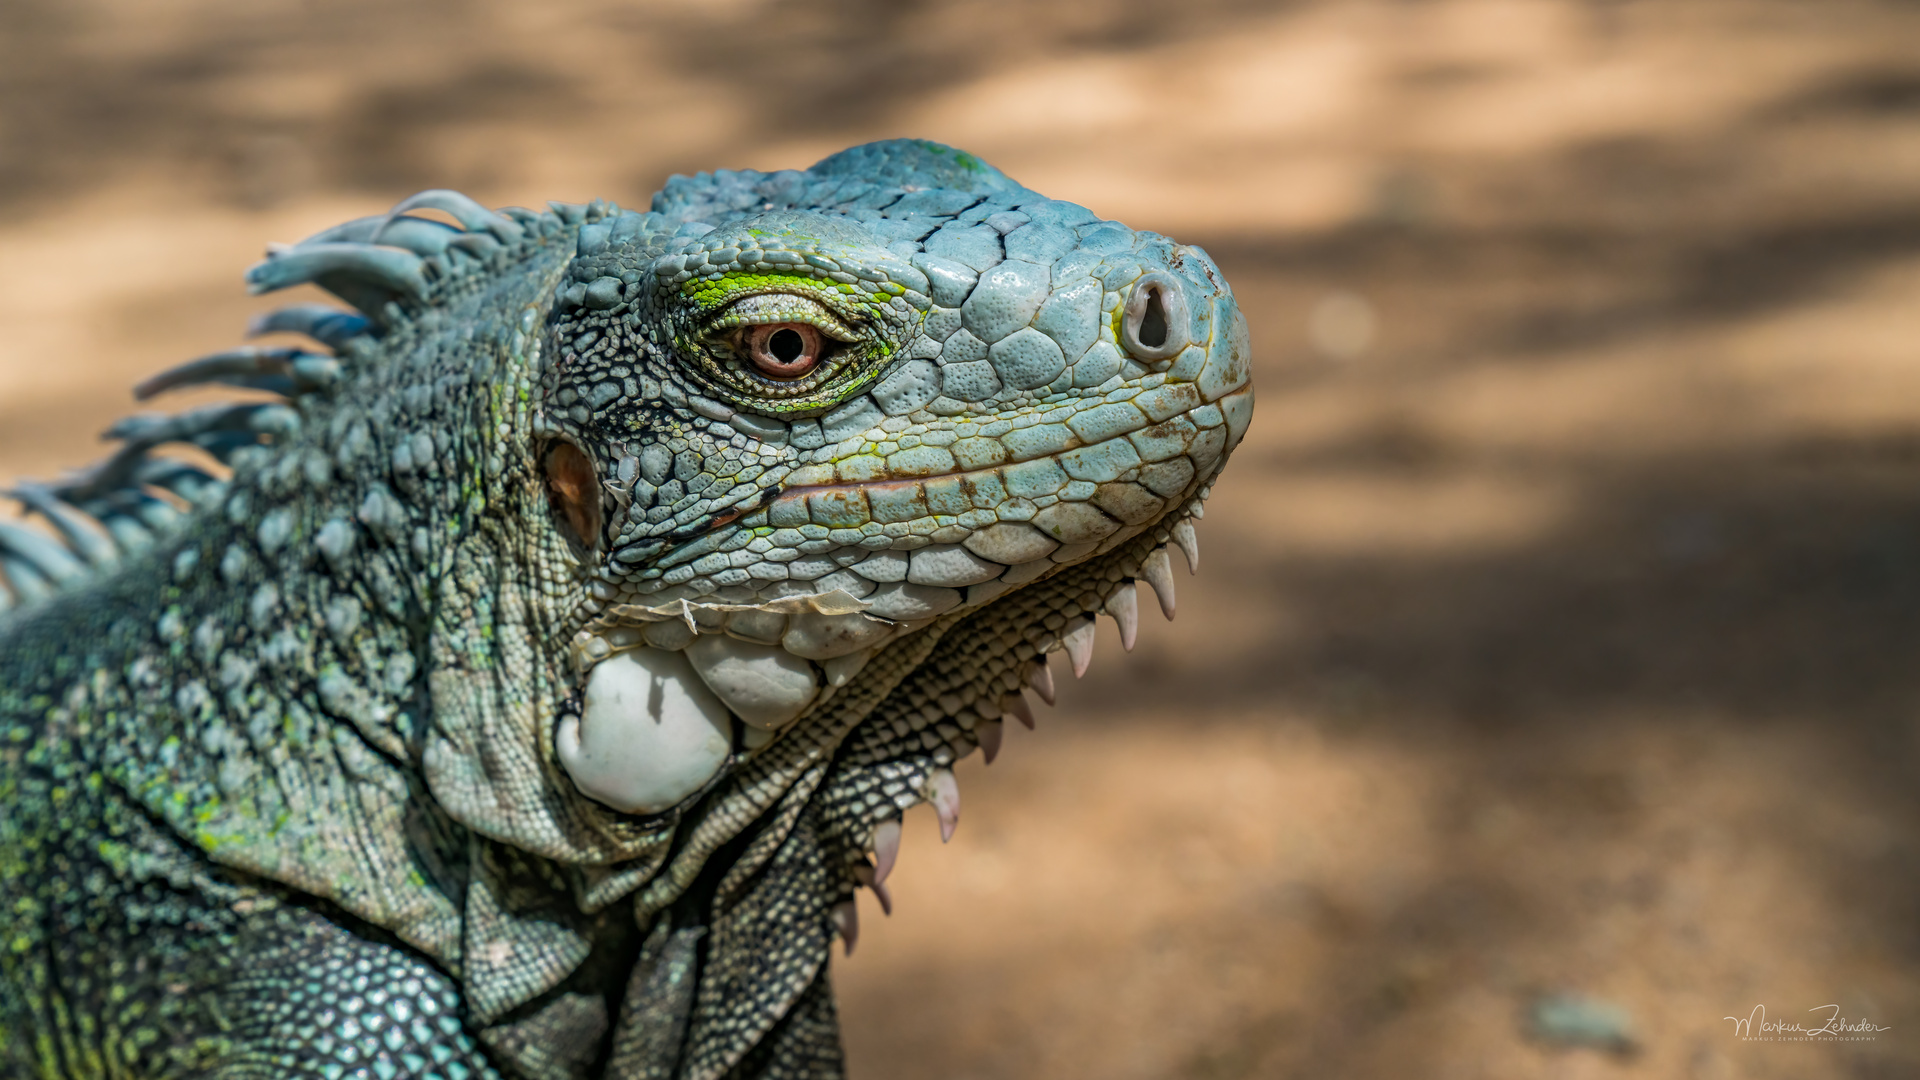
1155	326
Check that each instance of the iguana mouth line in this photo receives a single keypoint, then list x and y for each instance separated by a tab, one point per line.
1126	479
725	518
899	484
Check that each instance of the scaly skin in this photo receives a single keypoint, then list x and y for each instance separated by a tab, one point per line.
291	759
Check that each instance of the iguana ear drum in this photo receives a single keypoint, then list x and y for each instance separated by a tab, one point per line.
574	488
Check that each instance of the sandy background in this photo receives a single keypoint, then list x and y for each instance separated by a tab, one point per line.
1558	629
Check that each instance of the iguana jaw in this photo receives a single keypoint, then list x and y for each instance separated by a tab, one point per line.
768	664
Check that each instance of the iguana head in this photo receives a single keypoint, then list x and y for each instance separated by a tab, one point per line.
788	421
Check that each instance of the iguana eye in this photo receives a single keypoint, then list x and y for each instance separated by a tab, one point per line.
784	350
784	345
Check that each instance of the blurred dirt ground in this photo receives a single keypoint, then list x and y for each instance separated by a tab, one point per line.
1558	627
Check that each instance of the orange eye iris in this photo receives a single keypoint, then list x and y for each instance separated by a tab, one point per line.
784	350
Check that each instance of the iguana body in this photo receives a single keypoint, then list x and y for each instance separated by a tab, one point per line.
530	698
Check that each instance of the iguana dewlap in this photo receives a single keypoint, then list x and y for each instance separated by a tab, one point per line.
579	617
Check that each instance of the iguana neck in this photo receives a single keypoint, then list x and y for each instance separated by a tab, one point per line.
270	699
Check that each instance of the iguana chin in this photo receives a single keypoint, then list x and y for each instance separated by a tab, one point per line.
576	625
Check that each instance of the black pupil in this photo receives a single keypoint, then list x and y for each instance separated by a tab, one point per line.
786	345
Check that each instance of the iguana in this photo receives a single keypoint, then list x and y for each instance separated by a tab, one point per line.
577	620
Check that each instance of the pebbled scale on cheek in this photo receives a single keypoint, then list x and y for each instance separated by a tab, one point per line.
998	428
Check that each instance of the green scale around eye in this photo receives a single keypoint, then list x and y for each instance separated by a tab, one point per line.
867	333
860	284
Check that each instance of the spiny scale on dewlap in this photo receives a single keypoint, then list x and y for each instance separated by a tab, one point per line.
576	625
